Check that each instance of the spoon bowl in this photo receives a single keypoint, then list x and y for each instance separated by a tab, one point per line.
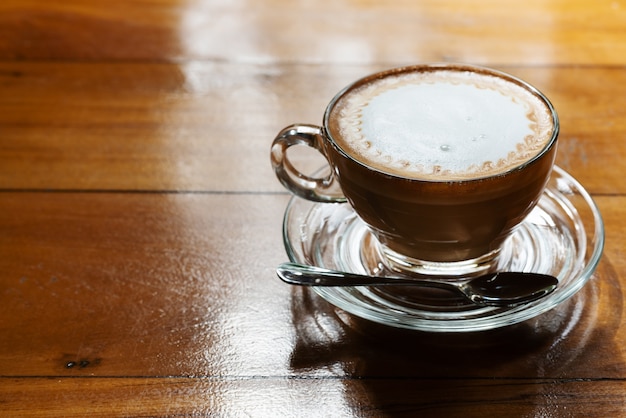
499	289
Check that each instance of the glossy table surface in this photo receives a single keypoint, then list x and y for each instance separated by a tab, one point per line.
140	220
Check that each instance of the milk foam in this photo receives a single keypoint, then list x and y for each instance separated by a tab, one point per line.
445	124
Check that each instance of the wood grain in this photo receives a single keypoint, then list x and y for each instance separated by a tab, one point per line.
350	31
209	126
110	284
299	397
140	220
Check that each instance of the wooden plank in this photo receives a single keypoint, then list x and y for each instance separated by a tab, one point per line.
354	32
141	284
209	126
107	284
140	221
310	397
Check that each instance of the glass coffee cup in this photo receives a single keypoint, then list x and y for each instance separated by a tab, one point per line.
442	162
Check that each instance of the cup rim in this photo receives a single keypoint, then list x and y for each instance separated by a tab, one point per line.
434	67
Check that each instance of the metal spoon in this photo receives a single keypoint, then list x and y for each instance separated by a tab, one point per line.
501	289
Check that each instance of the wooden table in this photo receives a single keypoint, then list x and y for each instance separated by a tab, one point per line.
140	220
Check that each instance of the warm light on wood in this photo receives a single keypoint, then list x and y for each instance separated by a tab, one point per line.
140	219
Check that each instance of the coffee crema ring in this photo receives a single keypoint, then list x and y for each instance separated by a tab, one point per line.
395	157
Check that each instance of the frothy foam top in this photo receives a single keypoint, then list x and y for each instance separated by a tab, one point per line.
443	124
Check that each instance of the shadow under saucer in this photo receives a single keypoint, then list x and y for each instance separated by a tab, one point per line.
546	345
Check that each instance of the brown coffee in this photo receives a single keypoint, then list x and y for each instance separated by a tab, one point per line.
441	162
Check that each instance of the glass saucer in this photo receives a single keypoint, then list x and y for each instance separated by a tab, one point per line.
563	236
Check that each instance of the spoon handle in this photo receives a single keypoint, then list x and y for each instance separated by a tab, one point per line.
503	289
300	274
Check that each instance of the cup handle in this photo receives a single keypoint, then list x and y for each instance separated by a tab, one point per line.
318	189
